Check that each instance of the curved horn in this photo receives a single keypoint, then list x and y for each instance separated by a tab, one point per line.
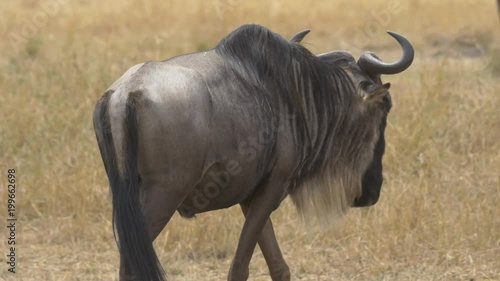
297	38
370	63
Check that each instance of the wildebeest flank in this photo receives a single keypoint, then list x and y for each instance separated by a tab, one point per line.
166	128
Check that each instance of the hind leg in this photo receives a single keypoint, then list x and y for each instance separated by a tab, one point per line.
158	204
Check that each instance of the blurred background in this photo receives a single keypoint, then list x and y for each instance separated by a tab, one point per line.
437	218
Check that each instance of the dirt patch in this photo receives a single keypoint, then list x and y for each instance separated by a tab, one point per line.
468	44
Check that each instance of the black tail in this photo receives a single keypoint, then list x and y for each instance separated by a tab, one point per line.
498	6
129	225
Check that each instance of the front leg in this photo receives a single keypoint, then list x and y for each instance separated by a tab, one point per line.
263	203
278	269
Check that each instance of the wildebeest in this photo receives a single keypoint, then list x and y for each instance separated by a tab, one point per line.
498	7
249	122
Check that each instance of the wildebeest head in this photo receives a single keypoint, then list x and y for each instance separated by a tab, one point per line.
375	102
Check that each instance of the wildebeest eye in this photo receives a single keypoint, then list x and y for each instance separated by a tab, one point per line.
365	84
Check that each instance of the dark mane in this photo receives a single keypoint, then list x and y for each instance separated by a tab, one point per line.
319	92
257	53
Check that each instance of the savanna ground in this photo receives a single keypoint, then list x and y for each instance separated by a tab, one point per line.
438	217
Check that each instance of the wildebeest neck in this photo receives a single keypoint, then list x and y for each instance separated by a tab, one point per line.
319	93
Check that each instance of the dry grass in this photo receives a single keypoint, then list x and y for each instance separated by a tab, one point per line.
437	219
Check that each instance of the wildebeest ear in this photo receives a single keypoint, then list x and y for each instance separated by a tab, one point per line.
376	94
297	38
